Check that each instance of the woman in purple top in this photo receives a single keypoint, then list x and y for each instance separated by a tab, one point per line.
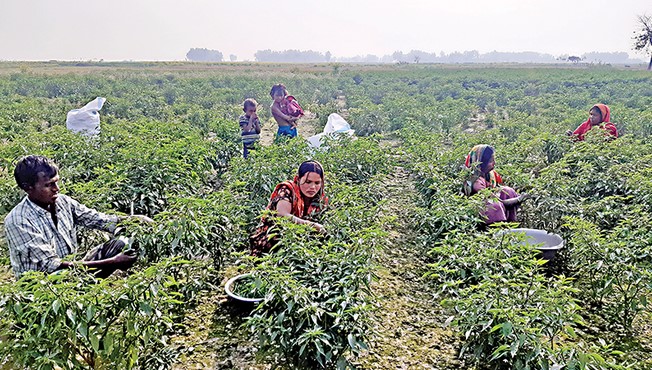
503	208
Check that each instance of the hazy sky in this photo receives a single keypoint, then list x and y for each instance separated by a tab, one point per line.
167	29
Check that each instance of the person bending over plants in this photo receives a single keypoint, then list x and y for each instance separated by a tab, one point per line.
249	126
599	115
285	110
41	229
482	162
300	200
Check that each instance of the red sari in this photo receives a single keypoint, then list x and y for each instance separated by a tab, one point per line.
261	241
610	128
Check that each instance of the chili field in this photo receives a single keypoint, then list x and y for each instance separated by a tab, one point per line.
406	277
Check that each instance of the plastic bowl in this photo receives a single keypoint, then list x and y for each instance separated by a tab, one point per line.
228	288
551	242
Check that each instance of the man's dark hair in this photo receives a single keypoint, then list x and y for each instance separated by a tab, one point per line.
28	168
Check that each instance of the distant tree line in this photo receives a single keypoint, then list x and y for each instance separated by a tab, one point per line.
613	58
204	55
414	56
473	56
292	56
419	56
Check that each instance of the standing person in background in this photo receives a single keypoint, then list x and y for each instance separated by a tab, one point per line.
600	116
284	111
250	126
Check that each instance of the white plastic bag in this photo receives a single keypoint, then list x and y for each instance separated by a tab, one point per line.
334	126
86	120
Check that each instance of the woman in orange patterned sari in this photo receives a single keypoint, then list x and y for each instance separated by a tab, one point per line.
300	200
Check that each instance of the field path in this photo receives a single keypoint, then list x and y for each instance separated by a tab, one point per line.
307	127
408	323
215	337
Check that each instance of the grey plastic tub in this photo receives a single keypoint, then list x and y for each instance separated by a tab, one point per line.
551	242
228	288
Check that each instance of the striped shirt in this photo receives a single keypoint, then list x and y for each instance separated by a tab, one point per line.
35	243
248	137
244	121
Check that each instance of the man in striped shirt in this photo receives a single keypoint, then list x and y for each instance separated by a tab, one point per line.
41	229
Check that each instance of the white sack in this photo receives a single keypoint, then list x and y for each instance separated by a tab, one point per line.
336	125
86	120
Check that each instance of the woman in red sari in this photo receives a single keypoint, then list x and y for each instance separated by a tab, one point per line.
600	116
300	200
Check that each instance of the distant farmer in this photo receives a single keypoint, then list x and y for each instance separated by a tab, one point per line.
503	208
250	126
285	110
41	229
599	115
300	200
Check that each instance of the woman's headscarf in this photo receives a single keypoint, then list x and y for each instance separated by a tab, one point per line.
478	160
605	123
604	111
317	203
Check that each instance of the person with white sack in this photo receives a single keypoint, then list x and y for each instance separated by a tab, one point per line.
86	120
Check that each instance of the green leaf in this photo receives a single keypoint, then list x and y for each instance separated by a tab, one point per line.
71	315
342	363
498	352
352	342
95	342
506	329
495	328
82	329
90	312
56	305
108	342
320	349
514	348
